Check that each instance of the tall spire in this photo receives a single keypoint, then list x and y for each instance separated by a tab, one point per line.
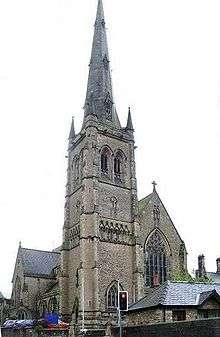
99	96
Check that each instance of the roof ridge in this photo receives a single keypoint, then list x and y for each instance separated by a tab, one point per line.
39	250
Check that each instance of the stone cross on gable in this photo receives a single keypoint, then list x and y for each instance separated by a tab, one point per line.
154	185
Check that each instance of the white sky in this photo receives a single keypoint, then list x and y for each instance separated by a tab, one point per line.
165	59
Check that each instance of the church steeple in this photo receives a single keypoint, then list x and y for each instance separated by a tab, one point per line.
99	97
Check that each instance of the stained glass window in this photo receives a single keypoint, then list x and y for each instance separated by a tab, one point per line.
156	262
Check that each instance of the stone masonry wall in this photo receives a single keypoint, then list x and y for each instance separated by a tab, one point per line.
198	328
166	227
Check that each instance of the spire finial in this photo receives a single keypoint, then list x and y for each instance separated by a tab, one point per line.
154	186
19	244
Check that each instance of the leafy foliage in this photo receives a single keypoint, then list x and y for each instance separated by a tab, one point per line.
186	277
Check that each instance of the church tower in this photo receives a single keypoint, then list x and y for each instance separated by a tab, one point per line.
101	241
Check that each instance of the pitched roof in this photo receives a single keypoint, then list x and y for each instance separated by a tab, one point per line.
203	297
38	262
144	202
177	294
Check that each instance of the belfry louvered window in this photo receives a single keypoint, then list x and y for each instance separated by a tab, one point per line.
156	262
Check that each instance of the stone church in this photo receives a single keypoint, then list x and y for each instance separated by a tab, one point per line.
108	235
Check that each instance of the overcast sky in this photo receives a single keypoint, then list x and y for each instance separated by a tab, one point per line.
165	59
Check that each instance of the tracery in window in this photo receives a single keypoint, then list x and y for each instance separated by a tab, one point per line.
156	260
112	296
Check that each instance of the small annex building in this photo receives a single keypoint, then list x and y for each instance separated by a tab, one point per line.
34	283
176	301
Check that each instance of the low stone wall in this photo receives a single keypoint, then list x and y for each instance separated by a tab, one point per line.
199	328
32	333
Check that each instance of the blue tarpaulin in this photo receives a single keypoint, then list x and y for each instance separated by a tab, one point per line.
51	318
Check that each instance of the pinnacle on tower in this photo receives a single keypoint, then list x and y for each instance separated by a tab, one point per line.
129	121
99	97
72	130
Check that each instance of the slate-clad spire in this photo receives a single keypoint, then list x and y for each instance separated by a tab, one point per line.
99	96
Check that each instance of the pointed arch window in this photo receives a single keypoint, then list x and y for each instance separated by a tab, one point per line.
22	315
156	260
105	161
118	167
112	297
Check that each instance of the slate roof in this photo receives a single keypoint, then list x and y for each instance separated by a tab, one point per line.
144	202
39	263
208	294
177	294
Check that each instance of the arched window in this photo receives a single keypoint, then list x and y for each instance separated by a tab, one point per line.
156	261
118	167
105	161
22	315
112	297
